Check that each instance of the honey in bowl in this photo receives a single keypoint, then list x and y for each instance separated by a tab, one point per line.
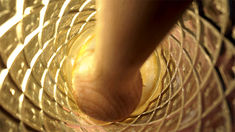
150	72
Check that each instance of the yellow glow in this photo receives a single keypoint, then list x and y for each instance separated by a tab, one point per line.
43	77
19	7
46	43
25	80
150	72
83	25
41	20
20	47
8	24
60	16
50	60
27	11
30	36
33	61
21	99
62	61
63	8
45	2
56	75
90	16
14	54
3	75
12	91
40	51
83	5
72	61
85	66
15	19
40	96
54	91
74	18
83	48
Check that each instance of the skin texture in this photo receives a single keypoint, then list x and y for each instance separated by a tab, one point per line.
108	83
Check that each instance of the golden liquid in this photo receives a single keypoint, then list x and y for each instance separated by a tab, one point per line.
150	72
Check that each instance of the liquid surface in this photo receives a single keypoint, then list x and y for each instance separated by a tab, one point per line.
150	72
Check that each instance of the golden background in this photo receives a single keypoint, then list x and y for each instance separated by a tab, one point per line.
198	85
